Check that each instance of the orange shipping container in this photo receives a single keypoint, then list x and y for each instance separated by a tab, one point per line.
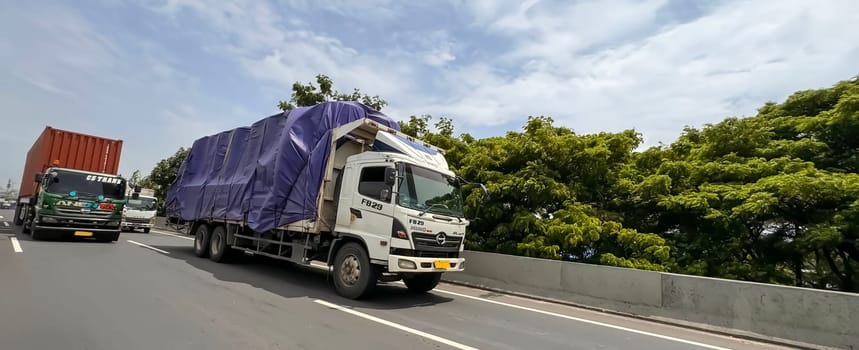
71	150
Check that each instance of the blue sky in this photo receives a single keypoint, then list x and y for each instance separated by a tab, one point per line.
159	74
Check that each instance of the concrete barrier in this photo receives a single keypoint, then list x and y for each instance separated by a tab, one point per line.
791	315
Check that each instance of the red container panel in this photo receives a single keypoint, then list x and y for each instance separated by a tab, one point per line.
70	150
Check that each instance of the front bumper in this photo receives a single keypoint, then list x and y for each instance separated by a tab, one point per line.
72	230
401	263
136	225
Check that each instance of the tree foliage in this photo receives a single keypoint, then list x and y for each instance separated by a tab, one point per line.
163	175
771	198
766	198
309	95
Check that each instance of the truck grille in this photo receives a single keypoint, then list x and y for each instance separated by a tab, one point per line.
424	253
137	220
75	211
439	242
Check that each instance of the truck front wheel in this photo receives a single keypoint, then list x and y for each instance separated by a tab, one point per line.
354	276
19	218
201	240
422	282
36	234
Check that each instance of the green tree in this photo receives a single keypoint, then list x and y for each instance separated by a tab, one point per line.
768	198
309	95
163	175
549	190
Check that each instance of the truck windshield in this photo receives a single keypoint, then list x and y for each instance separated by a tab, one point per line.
85	185
426	190
143	204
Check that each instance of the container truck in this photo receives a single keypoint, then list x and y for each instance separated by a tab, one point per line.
139	211
70	187
336	183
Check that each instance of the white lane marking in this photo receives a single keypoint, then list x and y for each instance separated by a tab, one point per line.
6	223
170	234
148	247
396	325
584	320
15	245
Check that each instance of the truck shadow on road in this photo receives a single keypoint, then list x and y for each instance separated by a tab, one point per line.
293	281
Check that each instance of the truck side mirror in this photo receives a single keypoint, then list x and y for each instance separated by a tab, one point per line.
390	176
39	177
136	189
135	195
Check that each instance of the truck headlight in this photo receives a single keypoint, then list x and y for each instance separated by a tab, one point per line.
49	220
406	264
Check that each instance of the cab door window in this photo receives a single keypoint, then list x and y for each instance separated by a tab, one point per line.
372	182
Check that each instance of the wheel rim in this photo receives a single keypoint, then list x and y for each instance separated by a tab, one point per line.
350	270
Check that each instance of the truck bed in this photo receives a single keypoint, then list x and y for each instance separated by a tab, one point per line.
275	173
71	150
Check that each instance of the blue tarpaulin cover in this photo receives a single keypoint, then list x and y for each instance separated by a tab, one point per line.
271	171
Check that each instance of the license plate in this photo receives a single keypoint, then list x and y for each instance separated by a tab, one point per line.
83	234
442	264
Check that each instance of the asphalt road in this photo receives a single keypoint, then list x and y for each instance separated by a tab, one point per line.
149	291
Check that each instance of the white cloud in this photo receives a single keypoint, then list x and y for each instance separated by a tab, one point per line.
272	53
726	63
92	81
246	25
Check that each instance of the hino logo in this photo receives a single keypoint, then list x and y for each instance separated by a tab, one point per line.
440	238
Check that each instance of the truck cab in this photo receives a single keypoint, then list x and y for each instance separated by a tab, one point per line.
405	205
71	202
139	211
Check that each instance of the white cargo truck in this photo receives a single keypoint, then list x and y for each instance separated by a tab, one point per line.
139	211
389	209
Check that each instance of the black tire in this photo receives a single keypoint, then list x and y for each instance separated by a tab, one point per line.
146	230
18	221
349	257
38	235
201	240
108	237
219	251
25	220
422	282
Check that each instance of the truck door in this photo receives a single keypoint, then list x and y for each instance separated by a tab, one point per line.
372	214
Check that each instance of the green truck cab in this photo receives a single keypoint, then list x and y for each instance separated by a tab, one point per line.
75	203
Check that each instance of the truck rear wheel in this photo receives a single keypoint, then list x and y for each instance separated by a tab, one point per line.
354	276
146	230
219	251
201	240
422	282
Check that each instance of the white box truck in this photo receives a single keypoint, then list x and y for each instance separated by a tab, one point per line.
335	183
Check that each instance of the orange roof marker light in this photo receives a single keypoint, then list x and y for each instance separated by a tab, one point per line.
56	162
